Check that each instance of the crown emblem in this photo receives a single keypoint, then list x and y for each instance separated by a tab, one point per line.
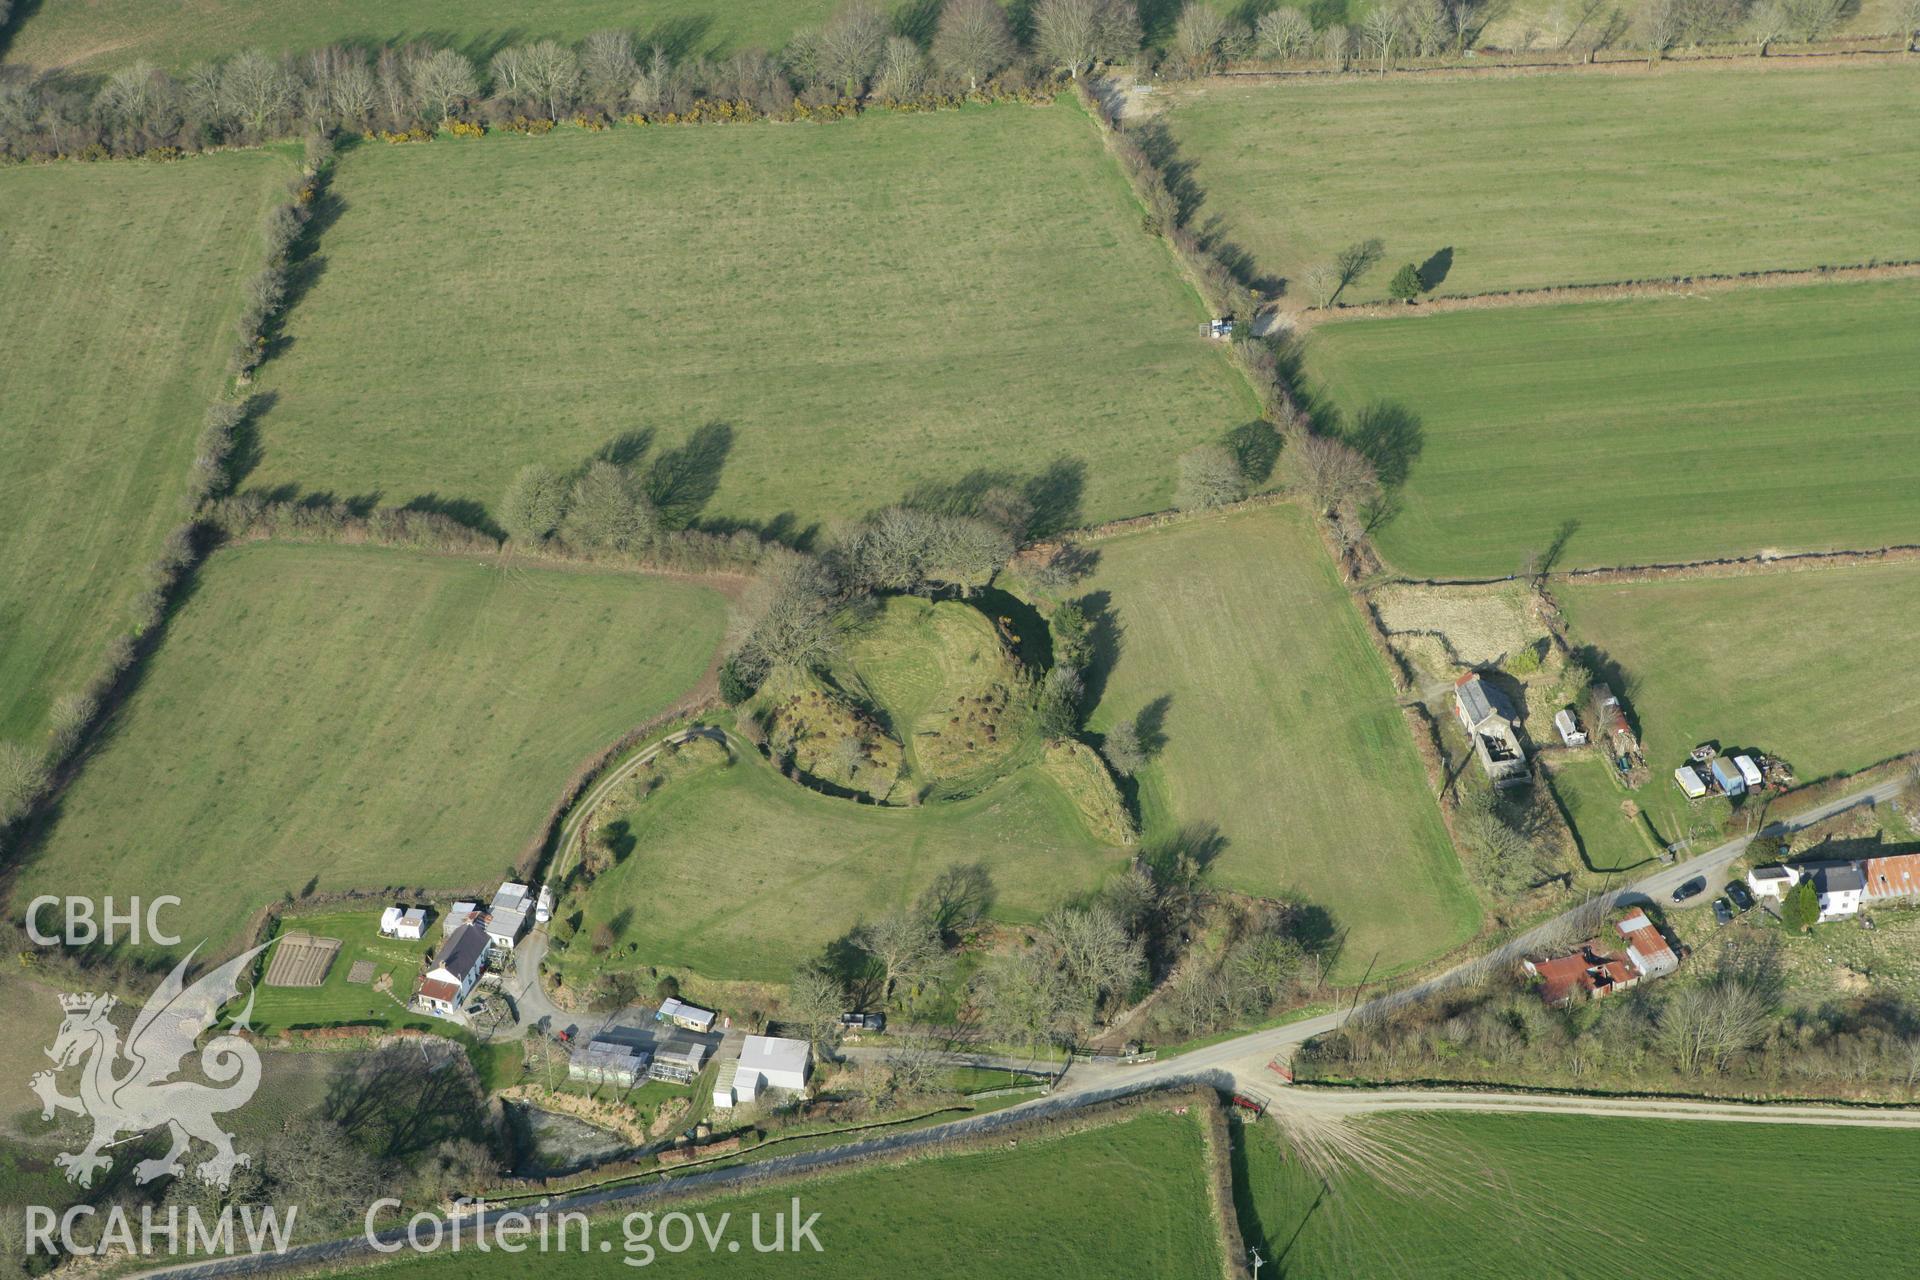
77	1003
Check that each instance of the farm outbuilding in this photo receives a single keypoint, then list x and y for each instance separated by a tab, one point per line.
1728	776
1749	772
765	1062
1692	785
681	1014
1490	722
1570	731
405	923
508	914
605	1061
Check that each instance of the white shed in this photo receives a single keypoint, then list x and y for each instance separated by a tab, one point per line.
1690	782
404	923
1749	771
1570	731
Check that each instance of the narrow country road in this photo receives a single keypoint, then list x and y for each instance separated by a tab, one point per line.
1245	1058
1238	1064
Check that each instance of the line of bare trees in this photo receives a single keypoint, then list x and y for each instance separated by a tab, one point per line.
1207	40
858	56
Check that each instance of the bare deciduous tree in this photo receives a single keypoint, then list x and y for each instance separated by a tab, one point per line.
1210	476
255	89
1075	34
1381	30
23	779
903	71
972	40
1204	40
607	510
1335	474
441	81
1283	34
851	46
608	67
814	1004
789	618
905	946
1099	958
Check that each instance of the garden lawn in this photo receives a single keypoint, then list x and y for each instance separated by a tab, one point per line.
775	321
737	872
1281	729
101	35
1125	1198
121	282
1812	667
355	718
1649	430
337	1002
1609	839
1492	1196
1547	180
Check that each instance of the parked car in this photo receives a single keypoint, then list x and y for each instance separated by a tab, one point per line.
1722	911
1690	889
1741	895
864	1021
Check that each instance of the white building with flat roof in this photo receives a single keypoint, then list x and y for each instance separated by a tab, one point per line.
766	1062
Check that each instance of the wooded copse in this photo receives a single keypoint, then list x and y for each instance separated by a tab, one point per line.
406	91
793	617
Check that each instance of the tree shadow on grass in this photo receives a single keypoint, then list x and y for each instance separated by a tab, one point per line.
682	481
1256	445
1052	496
627	448
1435	269
464	511
246	451
1105	640
1391	437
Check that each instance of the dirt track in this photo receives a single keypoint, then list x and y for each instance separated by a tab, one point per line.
1342	1103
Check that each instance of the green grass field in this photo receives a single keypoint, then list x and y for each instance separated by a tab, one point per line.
736	872
1490	1197
1125	1198
105	34
1281	729
359	717
1799	665
840	312
1561	179
1666	429
122	280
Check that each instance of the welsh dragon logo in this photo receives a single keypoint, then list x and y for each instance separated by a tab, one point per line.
128	1089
